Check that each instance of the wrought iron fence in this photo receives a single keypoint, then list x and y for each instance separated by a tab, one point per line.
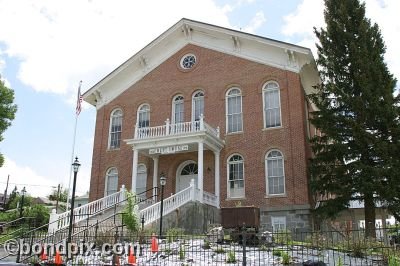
113	244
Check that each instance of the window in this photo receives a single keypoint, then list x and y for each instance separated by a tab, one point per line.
111	181
235	177
275	173
115	129
188	61
234	121
141	180
272	105
143	116
177	109
278	223
197	105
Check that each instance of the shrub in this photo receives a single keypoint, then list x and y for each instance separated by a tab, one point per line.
231	257
181	252
285	258
283	237
206	244
129	216
173	234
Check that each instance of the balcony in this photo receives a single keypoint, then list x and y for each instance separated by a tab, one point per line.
175	137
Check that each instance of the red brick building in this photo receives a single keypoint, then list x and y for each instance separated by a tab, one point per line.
222	107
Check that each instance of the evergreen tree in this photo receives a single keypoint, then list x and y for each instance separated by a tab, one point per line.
357	154
7	110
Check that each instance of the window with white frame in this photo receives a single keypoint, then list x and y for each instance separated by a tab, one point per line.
235	177
143	116
272	105
141	179
178	109
115	129
197	105
234	120
278	223
275	173
111	181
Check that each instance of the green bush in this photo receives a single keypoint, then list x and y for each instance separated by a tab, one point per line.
231	257
285	258
283	237
173	234
129	216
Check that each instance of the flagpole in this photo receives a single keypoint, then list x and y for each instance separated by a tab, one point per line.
73	142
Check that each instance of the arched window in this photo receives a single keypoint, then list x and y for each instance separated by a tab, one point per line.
234	120
197	105
275	173
115	129
111	181
177	109
141	180
272	105
143	116
235	176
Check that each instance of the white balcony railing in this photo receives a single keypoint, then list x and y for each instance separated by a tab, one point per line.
175	129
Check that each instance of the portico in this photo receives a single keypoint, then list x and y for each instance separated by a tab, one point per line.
170	139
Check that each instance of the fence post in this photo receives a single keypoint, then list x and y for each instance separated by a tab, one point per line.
244	244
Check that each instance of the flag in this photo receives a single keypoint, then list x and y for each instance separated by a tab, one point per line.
79	100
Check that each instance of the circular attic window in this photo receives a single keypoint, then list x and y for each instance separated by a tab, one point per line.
188	61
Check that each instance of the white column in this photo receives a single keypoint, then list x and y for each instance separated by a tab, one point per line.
216	174
155	175
200	170
134	170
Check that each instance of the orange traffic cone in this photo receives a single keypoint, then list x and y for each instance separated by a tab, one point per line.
43	255
154	244
131	257
58	259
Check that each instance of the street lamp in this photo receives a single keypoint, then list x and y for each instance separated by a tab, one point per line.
23	191
75	166
163	181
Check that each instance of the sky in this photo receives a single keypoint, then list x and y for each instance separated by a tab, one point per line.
47	47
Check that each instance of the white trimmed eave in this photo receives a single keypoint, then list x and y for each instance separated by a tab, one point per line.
251	47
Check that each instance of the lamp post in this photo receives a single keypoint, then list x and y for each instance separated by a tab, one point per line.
23	191
75	166
163	181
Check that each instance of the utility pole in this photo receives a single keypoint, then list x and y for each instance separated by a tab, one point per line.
5	193
58	197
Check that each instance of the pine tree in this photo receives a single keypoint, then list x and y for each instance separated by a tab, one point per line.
357	154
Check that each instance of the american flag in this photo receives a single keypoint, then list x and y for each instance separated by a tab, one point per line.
79	100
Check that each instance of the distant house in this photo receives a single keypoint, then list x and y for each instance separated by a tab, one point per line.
82	200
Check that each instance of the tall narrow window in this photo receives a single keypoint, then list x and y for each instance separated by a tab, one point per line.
143	116
234	121
177	110
235	177
115	129
272	105
275	173
197	105
141	181
111	181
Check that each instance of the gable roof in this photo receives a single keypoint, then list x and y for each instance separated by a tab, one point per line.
245	45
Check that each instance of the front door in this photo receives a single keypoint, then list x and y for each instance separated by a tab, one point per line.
186	172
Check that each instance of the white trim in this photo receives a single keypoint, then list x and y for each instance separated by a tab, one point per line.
193	103
266	174
179	171
227	178
106	180
109	129
173	108
227	96
264	90
139	111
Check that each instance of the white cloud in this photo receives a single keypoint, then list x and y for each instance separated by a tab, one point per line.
59	43
257	21
36	184
309	14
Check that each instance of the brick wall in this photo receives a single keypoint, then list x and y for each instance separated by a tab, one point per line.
214	73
